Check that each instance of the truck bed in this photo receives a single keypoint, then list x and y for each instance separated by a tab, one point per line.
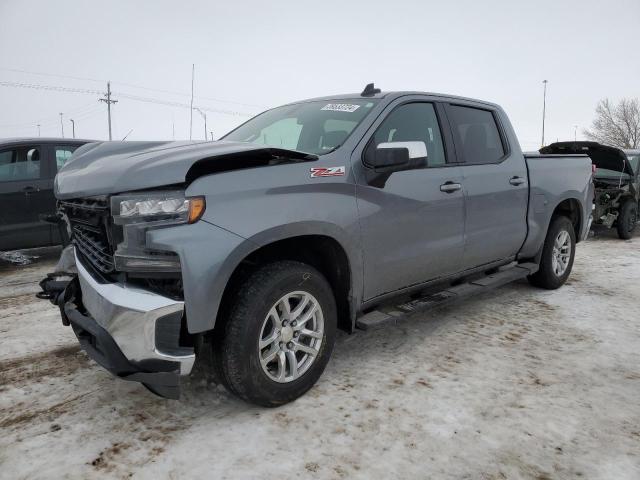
552	180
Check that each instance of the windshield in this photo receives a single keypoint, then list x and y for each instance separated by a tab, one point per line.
317	127
634	159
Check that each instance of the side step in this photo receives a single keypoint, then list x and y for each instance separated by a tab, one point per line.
393	313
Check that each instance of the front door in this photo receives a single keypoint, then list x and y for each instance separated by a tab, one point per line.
412	222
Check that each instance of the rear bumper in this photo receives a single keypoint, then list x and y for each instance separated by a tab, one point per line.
129	331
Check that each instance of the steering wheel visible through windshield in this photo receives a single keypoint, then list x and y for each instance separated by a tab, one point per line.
317	127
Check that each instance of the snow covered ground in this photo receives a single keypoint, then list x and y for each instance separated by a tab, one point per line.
518	383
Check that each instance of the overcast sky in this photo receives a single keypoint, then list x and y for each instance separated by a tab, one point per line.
251	55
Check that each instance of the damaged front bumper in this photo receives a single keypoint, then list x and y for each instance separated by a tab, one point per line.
133	333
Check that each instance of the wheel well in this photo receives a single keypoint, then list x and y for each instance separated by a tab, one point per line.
321	252
570	208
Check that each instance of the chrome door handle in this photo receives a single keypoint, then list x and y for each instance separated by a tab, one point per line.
515	181
450	187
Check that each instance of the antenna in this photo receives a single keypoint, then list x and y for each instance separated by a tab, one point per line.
370	90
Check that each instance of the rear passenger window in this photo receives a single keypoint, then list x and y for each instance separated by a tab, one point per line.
413	122
63	154
478	134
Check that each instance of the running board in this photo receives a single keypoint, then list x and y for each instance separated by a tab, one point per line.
393	313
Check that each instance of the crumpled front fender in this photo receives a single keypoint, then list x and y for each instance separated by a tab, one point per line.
208	256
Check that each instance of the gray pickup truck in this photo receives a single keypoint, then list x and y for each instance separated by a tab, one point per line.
341	212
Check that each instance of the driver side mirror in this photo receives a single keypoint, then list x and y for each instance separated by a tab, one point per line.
398	156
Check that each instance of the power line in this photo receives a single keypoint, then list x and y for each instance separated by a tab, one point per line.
52	118
122	95
131	85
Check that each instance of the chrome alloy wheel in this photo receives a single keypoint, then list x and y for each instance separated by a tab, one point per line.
561	253
291	336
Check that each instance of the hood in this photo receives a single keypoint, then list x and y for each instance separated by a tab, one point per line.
115	167
602	156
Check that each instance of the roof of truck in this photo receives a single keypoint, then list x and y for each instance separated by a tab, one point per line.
29	140
392	96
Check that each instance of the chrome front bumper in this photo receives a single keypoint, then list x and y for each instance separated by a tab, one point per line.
129	314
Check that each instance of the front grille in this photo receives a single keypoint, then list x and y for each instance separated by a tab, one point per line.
90	223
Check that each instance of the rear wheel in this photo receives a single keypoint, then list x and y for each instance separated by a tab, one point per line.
278	335
557	255
627	219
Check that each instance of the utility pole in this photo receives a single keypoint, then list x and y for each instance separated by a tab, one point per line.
193	69
73	127
38	129
544	108
108	101
61	125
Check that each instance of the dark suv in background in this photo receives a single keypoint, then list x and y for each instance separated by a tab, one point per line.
27	169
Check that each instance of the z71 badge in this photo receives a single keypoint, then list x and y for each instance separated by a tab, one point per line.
327	172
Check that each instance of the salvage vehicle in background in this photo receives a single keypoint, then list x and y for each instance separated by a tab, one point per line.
617	183
338	212
27	169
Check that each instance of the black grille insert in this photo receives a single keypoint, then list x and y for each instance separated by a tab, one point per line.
90	223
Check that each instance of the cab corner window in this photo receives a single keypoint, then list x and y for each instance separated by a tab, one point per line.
478	133
20	164
63	154
413	122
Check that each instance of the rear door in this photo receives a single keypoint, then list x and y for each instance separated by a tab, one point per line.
22	181
494	177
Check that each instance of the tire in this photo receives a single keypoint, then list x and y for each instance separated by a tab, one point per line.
251	319
627	219
548	276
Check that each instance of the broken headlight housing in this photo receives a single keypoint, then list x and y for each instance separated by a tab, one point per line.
137	214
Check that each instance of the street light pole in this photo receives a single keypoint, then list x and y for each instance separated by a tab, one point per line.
73	127
204	115
575	133
544	108
38	129
61	125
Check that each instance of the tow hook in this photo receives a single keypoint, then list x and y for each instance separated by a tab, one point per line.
53	285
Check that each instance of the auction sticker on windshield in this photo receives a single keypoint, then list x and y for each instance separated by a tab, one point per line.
341	107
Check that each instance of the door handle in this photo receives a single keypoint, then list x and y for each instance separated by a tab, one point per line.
28	190
450	187
515	181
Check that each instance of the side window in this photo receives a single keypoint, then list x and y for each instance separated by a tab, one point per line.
478	134
413	122
63	153
21	163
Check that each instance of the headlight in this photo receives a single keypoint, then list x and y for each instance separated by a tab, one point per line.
136	214
154	207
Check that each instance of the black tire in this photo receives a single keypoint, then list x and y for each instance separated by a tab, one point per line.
546	276
236	354
627	219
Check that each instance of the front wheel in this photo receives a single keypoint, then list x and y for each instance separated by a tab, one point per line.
557	255
627	219
278	335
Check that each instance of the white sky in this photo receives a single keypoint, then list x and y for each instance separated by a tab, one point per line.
262	54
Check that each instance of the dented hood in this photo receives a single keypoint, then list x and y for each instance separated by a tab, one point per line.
602	156
115	167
